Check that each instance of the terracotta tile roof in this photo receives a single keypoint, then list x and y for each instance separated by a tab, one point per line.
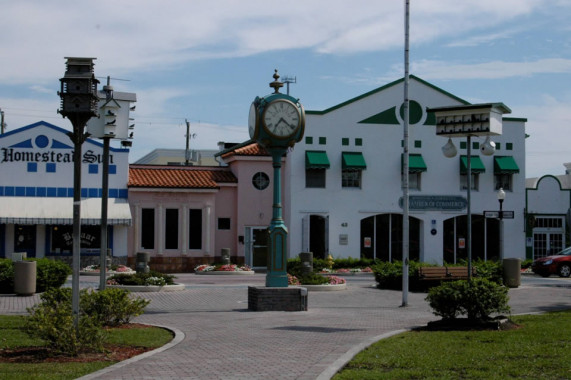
200	177
253	149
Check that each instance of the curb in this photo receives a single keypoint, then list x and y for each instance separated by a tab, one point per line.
178	337
338	364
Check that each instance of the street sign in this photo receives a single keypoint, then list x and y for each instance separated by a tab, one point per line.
507	214
496	214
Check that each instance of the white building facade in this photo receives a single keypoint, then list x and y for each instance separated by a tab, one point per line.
36	195
344	182
548	214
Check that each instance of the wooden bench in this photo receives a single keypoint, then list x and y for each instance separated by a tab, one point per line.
444	273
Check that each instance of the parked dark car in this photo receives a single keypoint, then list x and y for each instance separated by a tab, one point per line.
556	264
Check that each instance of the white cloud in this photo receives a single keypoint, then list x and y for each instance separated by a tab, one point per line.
548	125
145	35
428	69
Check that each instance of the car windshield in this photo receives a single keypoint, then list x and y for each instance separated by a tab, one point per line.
565	252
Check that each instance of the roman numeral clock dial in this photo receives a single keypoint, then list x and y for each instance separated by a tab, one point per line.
281	118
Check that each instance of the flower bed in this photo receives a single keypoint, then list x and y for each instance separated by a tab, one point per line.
94	270
329	283
347	272
144	282
223	269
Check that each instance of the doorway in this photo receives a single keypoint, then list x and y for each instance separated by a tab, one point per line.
257	247
25	239
315	235
546	243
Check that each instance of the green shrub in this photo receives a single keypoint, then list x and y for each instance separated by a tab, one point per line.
313	279
141	279
294	266
52	321
389	275
477	299
6	276
50	274
352	263
491	270
526	263
112	307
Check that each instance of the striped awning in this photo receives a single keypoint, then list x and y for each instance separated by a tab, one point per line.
45	210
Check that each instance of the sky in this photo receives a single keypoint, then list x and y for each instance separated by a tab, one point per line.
205	61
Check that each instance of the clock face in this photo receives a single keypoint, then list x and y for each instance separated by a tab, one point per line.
253	121
281	118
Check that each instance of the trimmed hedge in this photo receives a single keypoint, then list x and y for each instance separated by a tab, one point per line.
294	264
389	275
49	274
477	299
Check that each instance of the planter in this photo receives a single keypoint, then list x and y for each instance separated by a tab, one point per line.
349	274
107	273
323	288
148	288
226	273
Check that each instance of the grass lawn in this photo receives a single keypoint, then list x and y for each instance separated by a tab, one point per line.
539	349
12	337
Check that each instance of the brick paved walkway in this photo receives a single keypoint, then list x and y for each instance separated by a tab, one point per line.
221	339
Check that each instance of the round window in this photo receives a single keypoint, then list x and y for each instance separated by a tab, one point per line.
260	180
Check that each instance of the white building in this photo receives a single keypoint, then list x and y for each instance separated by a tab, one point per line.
548	214
36	194
344	182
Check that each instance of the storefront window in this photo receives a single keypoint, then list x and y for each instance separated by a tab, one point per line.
148	228
61	242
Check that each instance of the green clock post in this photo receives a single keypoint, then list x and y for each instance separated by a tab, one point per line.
276	122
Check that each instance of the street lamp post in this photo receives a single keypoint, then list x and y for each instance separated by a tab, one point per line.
79	104
112	123
468	121
501	198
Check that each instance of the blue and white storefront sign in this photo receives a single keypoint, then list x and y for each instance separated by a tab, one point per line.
36	191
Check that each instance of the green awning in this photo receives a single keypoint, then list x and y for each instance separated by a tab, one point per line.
316	160
476	165
505	165
353	160
416	163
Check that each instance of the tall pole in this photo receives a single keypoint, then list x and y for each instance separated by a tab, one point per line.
78	103
104	202
2	122
187	151
76	247
405	165
277	232
469	206
104	198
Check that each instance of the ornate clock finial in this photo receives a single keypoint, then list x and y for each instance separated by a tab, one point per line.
276	84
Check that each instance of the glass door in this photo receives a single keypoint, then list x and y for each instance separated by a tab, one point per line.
257	255
546	244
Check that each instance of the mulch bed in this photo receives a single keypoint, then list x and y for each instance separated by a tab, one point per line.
465	324
112	353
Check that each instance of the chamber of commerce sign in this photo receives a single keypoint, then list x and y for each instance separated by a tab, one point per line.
435	202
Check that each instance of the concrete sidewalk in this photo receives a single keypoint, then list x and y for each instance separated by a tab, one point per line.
218	338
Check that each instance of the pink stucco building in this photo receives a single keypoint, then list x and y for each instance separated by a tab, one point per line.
184	215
